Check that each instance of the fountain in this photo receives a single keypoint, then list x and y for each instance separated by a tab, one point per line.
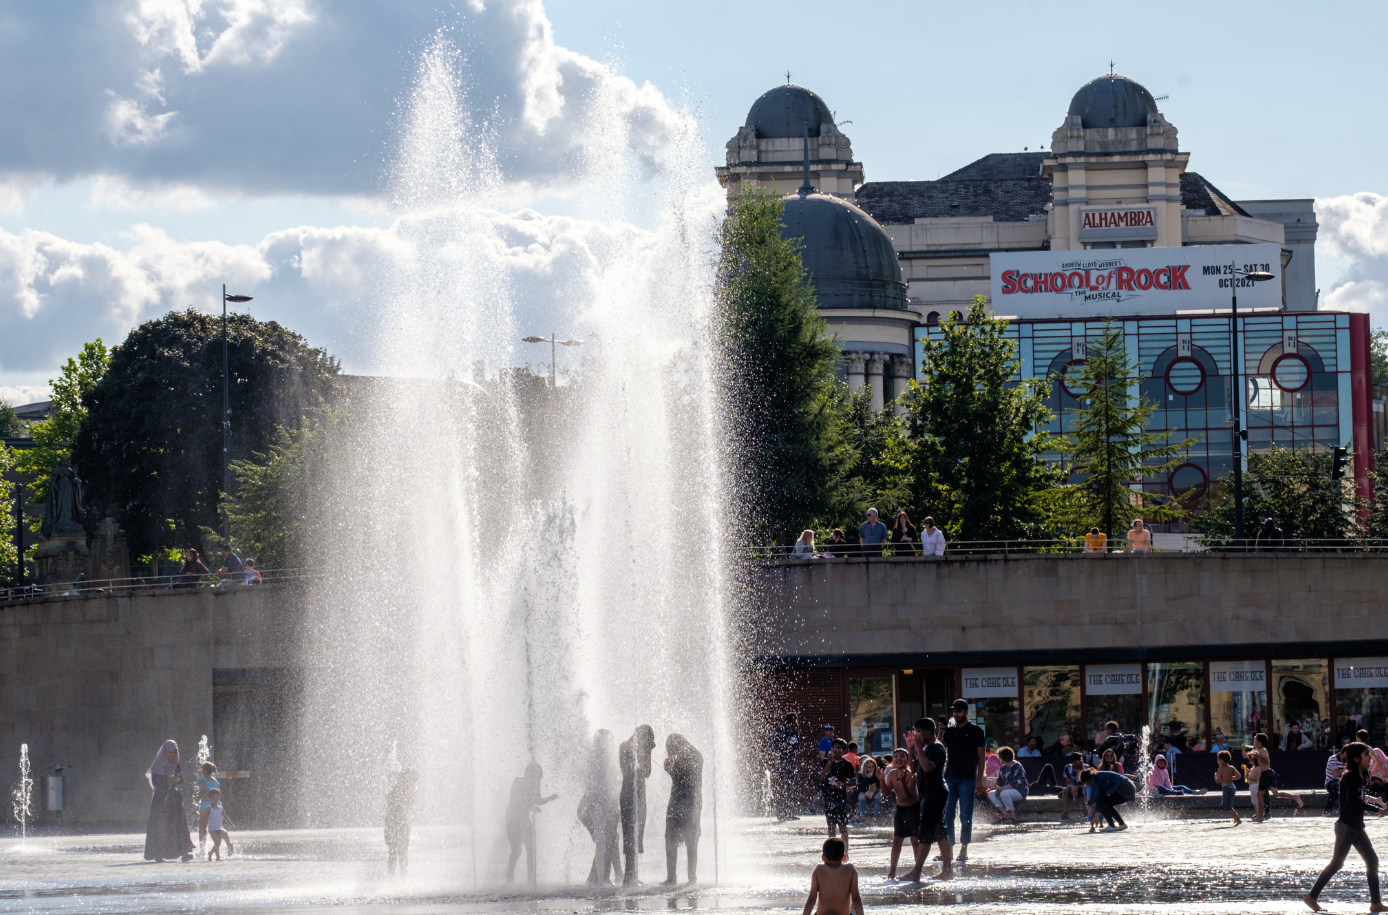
1144	769
23	793
204	754
517	566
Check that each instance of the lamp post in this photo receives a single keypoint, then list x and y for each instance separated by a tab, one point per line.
1235	397
226	402
553	350
19	479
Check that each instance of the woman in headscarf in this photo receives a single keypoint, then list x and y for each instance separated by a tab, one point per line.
167	834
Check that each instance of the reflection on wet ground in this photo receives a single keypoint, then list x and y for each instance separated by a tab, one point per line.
1193	865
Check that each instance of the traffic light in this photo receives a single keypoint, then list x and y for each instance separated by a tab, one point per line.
1339	458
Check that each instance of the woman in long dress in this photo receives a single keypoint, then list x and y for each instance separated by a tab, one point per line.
167	834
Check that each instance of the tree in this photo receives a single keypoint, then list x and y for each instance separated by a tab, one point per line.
53	437
1111	450
1291	486
972	456
777	369
11	426
873	480
150	448
1376	518
1378	355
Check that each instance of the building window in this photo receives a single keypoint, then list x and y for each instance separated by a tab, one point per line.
1112	692
932	319
1361	698
1051	703
992	696
1300	694
871	701
1238	701
1176	702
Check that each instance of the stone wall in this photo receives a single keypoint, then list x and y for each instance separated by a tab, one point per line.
98	682
975	609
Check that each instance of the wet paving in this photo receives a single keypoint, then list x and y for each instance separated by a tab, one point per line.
1199	865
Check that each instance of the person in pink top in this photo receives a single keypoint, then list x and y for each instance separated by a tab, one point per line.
1159	781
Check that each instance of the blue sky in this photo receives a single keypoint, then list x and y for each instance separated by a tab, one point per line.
152	149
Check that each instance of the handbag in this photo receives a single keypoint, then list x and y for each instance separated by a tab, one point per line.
173	800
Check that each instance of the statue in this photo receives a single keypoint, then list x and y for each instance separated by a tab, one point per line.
686	767
635	757
62	516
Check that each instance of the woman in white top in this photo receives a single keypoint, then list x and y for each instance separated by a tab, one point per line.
804	547
1139	538
932	540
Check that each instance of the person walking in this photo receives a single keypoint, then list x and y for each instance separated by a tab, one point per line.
835	777
166	835
206	781
399	813
217	825
1349	829
1139	538
964	742
932	538
871	535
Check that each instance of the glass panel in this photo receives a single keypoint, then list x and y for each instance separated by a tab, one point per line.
1361	698
1290	373
1176	702
1238	702
1299	693
1051	703
1185	377
870	722
1126	710
998	718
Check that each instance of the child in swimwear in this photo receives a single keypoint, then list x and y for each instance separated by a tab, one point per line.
834	884
204	785
1225	776
217	821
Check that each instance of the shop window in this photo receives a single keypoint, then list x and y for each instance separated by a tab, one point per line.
1238	701
1176	702
992	696
1361	698
870	713
1051	703
1300	694
1112	692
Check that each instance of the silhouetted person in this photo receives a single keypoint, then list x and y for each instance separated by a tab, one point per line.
599	811
686	767
399	810
1270	537
525	802
634	755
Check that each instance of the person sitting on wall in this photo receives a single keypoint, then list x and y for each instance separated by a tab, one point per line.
836	547
804	547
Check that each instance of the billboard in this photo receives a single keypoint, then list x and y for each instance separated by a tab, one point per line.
1129	281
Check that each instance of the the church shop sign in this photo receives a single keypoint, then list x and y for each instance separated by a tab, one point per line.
1118	224
1125	281
1237	676
989	682
1361	673
1113	679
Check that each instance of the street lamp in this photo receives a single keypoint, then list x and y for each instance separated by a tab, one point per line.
553	351
1235	395
226	402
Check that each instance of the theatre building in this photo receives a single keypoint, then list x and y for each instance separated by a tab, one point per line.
1109	222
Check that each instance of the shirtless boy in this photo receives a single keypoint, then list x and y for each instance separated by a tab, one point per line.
907	819
1225	776
834	884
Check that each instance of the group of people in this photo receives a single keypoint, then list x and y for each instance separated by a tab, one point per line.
874	538
233	571
167	835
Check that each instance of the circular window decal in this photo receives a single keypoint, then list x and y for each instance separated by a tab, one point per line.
1070	378
1187	481
1185	376
1291	372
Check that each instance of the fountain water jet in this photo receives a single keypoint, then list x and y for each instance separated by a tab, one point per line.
23	793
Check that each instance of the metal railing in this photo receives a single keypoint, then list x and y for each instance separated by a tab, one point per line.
1073	546
149	583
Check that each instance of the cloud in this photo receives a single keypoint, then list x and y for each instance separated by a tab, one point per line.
112	193
1355	228
266	97
17	395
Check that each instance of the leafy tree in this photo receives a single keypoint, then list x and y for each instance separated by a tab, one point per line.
1294	488
11	426
1376	517
873	480
972	457
777	368
1378	355
1110	449
150	448
53	437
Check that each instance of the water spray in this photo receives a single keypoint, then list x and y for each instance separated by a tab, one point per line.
23	793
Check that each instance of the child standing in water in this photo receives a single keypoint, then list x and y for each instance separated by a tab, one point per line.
206	783
217	821
1225	776
834	884
520	823
399	810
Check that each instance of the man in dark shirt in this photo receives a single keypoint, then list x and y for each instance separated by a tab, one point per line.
686	767
963	773
929	762
836	776
785	745
233	571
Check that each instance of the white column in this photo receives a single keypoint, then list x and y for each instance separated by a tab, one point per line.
874	375
856	363
901	376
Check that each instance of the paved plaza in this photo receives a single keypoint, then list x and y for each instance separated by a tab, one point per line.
1199	865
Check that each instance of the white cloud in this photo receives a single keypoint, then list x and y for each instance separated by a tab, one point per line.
128	124
18	395
18	190
1355	228
110	192
251	31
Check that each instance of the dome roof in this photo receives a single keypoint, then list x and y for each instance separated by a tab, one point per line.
786	110
1112	101
847	255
